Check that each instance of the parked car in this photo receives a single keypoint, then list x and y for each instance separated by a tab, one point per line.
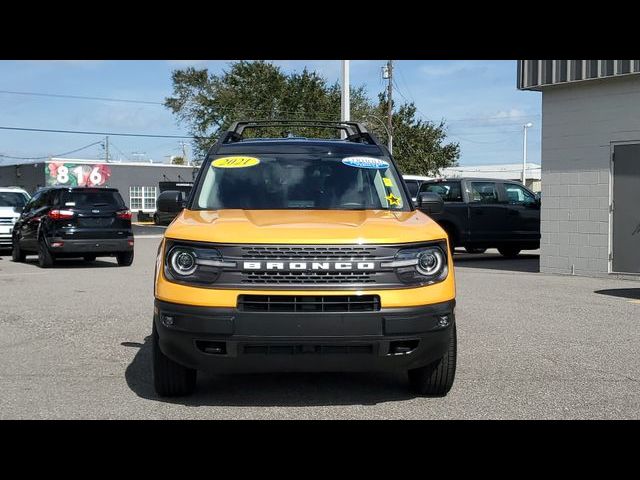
74	222
168	205
303	254
413	183
12	201
482	213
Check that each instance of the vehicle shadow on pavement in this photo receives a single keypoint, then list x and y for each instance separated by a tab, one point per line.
272	389
525	262
632	293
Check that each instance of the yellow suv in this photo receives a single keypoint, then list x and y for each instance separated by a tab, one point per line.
298	254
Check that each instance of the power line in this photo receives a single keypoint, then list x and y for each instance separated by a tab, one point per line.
48	156
80	97
48	130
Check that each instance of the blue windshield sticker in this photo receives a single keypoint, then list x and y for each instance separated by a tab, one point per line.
366	162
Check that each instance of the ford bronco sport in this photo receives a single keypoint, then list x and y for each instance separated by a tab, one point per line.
297	254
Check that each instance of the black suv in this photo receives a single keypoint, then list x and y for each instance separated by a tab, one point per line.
481	213
74	222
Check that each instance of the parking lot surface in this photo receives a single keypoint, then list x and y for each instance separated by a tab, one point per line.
75	344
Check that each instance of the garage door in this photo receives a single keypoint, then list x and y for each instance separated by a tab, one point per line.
626	211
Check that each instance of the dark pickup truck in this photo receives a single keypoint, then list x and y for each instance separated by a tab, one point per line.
482	213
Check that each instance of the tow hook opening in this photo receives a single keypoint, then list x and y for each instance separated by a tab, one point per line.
403	347
212	348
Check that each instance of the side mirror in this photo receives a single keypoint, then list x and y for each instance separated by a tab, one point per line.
430	202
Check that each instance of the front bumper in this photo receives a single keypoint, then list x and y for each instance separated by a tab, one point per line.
5	240
226	340
90	246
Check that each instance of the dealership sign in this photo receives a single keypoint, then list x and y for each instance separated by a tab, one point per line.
77	174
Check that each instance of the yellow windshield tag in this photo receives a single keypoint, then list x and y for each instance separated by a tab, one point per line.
235	162
393	200
387	182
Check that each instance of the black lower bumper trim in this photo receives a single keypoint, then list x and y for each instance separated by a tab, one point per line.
89	246
227	340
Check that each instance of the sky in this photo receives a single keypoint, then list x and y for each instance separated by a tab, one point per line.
477	99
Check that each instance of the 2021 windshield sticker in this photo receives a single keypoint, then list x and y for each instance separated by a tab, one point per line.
366	162
235	162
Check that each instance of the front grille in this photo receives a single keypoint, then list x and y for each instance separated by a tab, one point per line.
309	252
308	304
305	349
285	278
6	221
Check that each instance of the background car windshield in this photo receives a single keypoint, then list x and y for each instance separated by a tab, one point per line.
300	182
92	198
12	199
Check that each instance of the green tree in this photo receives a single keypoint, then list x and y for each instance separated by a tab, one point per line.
177	160
258	90
419	147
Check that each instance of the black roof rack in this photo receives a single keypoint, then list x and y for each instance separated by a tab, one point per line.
355	131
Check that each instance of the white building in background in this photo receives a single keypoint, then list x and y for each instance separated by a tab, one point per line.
506	171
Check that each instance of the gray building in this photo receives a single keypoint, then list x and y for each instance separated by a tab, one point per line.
590	164
138	183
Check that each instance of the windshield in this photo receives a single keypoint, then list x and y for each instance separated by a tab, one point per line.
92	198
294	181
12	199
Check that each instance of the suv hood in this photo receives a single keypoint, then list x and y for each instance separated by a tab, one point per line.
304	226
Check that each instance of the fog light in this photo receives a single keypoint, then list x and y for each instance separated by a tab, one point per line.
444	321
167	321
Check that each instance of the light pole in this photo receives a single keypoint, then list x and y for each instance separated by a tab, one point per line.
345	111
524	153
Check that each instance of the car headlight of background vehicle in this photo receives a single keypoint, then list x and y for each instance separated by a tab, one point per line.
423	265
185	263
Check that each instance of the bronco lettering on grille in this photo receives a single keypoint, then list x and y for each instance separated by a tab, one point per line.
308	265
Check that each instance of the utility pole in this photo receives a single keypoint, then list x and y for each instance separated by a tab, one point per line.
388	74
345	109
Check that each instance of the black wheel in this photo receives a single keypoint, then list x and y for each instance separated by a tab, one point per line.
156	220
170	379
509	252
45	259
125	259
475	250
89	258
436	379
17	254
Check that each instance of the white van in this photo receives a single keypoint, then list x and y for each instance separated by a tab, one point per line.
413	183
12	201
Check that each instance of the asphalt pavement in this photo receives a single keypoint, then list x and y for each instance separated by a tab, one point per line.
75	344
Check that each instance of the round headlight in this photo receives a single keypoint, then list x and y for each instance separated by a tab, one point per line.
183	261
429	262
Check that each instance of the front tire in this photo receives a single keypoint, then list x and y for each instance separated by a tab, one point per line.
125	259
509	252
437	378
17	255
170	379
45	259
